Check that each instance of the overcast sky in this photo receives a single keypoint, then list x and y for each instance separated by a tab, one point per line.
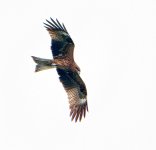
116	51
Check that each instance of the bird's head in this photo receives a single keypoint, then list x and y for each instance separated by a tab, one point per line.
77	68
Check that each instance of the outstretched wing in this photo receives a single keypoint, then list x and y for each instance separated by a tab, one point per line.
77	93
62	44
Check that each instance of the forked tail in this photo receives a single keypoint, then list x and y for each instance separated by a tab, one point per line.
42	64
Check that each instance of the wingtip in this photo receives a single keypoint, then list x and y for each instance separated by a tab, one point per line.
54	25
79	112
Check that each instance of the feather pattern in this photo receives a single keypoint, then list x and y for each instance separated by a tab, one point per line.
76	91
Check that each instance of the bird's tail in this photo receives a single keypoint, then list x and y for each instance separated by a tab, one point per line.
42	64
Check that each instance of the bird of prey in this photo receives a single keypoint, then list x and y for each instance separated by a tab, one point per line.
62	48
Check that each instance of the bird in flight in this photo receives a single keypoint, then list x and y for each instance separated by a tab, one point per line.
62	48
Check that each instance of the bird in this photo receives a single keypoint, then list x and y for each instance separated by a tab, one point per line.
62	48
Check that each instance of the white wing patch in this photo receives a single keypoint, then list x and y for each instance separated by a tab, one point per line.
74	99
82	101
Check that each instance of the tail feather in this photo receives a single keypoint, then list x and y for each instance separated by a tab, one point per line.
42	67
42	60
42	64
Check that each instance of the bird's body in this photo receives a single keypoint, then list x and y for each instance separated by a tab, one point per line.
66	62
63	60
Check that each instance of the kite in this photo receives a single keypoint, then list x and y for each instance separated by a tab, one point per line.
62	48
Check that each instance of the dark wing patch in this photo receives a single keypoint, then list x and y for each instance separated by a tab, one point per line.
77	97
60	37
56	47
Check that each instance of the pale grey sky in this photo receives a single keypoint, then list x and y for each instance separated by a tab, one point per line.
116	50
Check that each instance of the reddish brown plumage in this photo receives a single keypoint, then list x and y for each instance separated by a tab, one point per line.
66	62
62	49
